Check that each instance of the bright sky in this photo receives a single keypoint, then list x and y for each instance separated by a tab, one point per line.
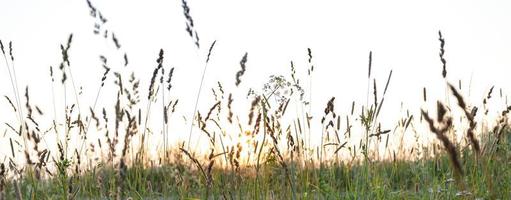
403	36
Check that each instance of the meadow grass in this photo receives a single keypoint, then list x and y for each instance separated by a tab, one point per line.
421	179
276	159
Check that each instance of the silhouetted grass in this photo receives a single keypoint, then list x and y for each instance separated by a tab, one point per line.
267	155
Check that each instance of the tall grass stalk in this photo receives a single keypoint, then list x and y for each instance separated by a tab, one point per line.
197	97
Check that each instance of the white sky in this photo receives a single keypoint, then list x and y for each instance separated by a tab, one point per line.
402	35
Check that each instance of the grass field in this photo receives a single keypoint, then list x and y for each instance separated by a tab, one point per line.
423	179
261	152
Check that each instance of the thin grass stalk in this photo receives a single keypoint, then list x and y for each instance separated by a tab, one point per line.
306	121
17	190
369	77
198	94
221	141
367	129
14	84
53	97
93	108
150	98
164	115
263	102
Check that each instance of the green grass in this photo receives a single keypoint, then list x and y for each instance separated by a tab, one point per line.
283	163
423	179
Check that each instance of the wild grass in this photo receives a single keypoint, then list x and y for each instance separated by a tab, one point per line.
262	152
